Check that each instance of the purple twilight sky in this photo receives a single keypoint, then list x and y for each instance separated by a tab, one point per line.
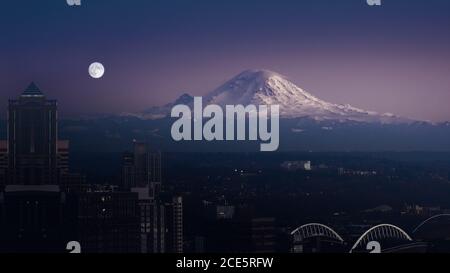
393	58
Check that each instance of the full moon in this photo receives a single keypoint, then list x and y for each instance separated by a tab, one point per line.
96	70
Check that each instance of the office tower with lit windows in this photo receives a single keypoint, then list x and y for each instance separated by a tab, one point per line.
174	220
108	221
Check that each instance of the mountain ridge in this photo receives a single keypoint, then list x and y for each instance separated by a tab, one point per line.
265	87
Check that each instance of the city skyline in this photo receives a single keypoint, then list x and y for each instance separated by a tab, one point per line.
40	198
224	133
392	58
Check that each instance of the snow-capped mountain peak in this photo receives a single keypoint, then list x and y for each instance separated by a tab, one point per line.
258	87
264	87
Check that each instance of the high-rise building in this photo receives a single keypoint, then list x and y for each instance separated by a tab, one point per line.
63	157
70	182
152	222
34	208
142	168
161	218
108	221
128	171
161	223
155	173
33	139
174	225
3	162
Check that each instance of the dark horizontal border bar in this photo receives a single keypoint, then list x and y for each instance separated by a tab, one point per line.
220	262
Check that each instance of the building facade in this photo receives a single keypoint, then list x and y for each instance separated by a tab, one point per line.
108	221
161	214
3	163
32	139
34	154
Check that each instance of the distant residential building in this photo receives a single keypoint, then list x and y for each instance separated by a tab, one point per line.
263	232
225	212
297	165
342	171
422	210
